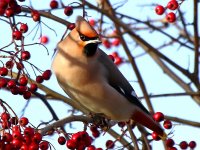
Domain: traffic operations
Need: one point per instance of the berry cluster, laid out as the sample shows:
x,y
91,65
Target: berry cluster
x,y
183,144
17,134
82,140
79,141
19,85
167,124
68,10
9,8
107,43
172,5
116,58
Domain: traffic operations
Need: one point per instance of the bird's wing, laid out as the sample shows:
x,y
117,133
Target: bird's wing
x,y
119,82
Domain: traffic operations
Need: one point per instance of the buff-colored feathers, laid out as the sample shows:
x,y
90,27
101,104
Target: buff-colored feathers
x,y
89,76
84,27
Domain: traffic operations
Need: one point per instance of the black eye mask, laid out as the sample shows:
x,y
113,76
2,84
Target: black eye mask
x,y
85,38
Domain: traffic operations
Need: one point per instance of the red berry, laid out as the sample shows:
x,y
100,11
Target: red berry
x,y
11,84
35,15
2,11
93,128
111,57
158,117
99,149
155,136
17,143
159,9
27,139
172,148
33,146
8,146
68,10
25,55
3,4
20,66
95,134
29,131
23,28
192,144
39,79
9,12
14,120
167,124
92,22
9,64
106,43
5,116
33,87
169,142
172,5
3,71
118,60
17,9
44,145
91,147
71,144
16,129
46,75
6,124
44,39
22,89
23,80
71,26
3,82
53,4
24,147
115,54
183,145
110,144
116,42
121,124
61,140
17,35
14,90
17,135
7,137
171,17
37,137
27,95
23,121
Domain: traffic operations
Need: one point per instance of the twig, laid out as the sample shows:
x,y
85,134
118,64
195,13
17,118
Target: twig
x,y
133,137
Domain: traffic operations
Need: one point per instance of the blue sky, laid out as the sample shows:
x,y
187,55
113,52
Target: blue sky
x,y
155,80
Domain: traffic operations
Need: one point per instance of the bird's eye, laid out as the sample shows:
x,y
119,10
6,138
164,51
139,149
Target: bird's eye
x,y
83,37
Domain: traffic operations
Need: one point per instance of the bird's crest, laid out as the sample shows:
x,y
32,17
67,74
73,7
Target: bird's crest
x,y
83,27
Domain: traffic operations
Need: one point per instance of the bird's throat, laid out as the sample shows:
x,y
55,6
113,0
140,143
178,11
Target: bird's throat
x,y
90,49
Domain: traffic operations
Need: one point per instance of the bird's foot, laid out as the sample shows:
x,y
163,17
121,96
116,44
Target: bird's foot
x,y
101,120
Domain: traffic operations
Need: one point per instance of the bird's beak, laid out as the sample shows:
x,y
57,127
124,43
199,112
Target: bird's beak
x,y
96,41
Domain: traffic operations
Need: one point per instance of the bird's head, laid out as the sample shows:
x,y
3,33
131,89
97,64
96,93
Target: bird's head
x,y
86,37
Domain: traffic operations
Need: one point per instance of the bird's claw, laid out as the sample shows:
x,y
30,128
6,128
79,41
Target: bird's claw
x,y
102,121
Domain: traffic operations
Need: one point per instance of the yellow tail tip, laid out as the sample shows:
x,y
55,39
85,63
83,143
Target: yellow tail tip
x,y
163,137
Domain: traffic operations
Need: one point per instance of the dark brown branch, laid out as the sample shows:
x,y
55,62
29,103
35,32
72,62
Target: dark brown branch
x,y
196,43
48,15
183,121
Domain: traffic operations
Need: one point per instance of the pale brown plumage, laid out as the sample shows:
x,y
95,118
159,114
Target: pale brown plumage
x,y
88,75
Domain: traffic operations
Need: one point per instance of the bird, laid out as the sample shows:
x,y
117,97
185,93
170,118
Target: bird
x,y
88,75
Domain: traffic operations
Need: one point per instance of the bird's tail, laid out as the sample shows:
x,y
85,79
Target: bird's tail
x,y
147,121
